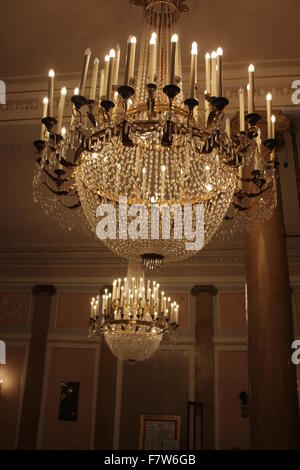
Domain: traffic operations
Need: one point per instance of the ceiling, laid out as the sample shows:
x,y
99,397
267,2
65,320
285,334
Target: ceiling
x,y
37,34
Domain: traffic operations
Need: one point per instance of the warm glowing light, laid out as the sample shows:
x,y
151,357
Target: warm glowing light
x,y
273,119
76,91
207,56
63,91
174,38
132,39
213,55
269,97
63,131
51,73
112,53
251,68
45,100
248,86
194,48
219,51
163,168
106,58
209,187
153,39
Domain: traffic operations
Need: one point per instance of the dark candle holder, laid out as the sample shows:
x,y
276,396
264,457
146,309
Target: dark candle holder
x,y
191,103
126,91
171,91
252,119
79,101
271,144
107,105
49,123
219,102
39,145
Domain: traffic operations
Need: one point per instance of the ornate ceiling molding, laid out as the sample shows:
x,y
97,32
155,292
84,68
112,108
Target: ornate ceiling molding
x,y
91,257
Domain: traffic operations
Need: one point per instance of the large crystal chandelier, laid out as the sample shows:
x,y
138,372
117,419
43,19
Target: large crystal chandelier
x,y
134,317
139,136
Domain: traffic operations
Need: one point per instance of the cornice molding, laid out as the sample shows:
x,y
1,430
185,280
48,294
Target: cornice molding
x,y
93,259
93,253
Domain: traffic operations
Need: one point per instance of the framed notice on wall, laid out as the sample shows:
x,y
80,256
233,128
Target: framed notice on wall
x,y
159,432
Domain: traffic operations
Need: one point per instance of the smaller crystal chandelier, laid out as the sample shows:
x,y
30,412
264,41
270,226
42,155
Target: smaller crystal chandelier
x,y
134,318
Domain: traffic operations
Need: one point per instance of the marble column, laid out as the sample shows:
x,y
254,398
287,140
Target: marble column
x,y
35,368
274,415
204,376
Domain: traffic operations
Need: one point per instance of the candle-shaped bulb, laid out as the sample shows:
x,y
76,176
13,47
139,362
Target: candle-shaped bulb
x,y
45,100
251,68
76,91
273,120
269,114
132,39
106,58
207,56
51,76
153,39
61,106
194,48
112,53
219,72
163,168
213,55
63,131
174,38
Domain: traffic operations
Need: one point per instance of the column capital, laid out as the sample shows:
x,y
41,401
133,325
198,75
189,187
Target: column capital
x,y
48,288
199,289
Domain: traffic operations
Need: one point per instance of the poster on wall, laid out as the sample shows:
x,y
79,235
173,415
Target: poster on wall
x,y
159,432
